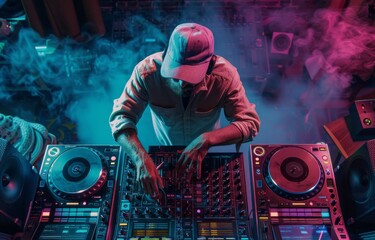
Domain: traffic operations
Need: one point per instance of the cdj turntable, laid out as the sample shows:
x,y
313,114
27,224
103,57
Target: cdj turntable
x,y
76,193
294,193
214,207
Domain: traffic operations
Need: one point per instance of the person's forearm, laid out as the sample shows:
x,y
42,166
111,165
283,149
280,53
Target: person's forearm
x,y
223,136
195,152
129,140
147,173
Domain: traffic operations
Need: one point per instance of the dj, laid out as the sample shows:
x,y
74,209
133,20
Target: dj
x,y
186,86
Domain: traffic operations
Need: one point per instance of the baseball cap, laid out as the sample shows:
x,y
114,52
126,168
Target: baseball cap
x,y
189,52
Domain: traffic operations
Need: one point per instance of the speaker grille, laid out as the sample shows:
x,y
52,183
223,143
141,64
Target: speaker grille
x,y
371,152
17,188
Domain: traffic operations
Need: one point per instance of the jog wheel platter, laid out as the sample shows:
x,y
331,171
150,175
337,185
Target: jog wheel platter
x,y
76,193
77,173
294,193
295,176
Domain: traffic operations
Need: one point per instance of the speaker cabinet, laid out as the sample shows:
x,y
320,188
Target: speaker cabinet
x,y
17,188
356,184
281,43
362,119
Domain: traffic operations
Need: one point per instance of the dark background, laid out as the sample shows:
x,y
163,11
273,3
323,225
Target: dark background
x,y
302,62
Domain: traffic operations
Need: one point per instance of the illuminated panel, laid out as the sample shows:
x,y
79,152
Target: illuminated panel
x,y
76,215
295,232
150,229
66,231
212,229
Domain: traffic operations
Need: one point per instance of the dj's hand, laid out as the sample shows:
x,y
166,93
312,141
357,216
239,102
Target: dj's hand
x,y
192,157
149,178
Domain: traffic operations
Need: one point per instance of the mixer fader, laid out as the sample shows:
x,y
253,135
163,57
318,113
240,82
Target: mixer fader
x,y
213,207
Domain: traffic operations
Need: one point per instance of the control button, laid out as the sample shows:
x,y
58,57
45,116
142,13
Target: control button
x,y
338,220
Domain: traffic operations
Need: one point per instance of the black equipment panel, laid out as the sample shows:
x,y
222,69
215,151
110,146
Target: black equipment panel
x,y
294,193
214,207
76,195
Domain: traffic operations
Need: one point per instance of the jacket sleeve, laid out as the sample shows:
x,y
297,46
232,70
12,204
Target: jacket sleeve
x,y
129,107
240,111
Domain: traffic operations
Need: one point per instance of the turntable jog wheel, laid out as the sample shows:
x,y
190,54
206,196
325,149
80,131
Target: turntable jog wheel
x,y
295,176
294,193
77,173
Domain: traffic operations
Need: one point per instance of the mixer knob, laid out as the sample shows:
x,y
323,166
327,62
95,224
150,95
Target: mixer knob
x,y
147,211
127,196
236,165
206,180
239,186
39,193
227,211
227,195
106,209
239,195
169,210
216,194
208,212
217,212
129,181
131,165
187,213
204,195
237,174
136,210
338,220
159,212
36,203
125,215
229,202
216,174
227,180
130,174
242,213
243,231
104,218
